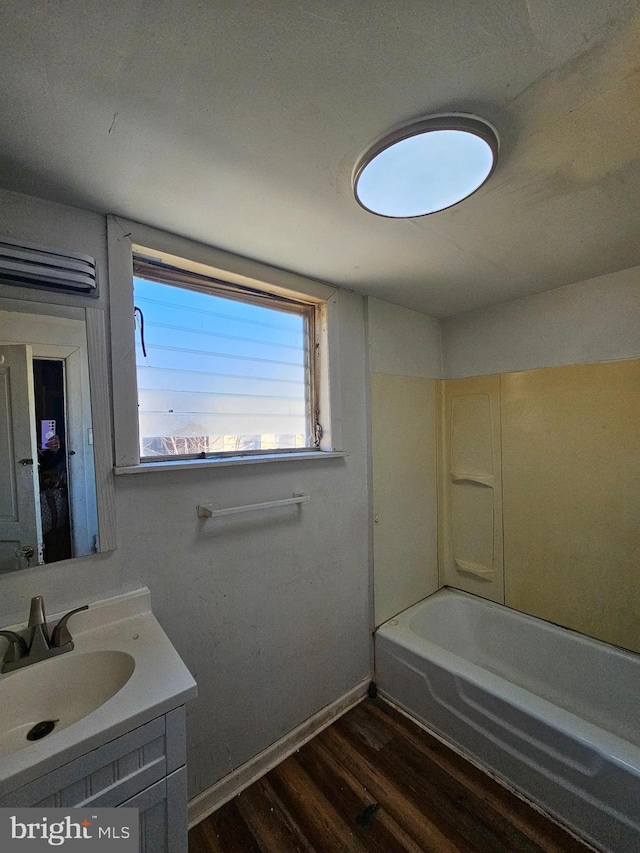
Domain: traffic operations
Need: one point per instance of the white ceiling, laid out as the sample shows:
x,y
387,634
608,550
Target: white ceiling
x,y
238,123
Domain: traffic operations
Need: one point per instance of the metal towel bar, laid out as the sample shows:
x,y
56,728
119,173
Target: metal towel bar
x,y
209,511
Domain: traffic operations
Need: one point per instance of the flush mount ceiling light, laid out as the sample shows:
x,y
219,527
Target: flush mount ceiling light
x,y
426,166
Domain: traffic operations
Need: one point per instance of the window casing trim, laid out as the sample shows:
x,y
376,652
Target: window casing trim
x,y
298,455
124,237
182,277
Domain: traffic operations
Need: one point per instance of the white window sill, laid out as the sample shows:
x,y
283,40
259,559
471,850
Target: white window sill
x,y
227,461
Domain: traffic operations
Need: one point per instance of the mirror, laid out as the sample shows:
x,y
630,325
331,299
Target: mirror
x,y
49,507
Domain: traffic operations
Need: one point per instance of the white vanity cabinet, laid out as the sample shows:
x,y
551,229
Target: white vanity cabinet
x,y
144,769
118,697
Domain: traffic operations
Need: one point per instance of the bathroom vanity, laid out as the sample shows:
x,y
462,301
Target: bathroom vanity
x,y
118,700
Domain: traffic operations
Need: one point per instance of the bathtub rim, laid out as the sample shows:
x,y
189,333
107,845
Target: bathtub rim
x,y
454,592
610,746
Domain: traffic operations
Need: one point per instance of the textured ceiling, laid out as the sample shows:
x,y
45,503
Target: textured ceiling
x,y
238,124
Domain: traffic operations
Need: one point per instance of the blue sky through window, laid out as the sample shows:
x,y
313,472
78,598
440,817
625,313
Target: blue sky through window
x,y
219,374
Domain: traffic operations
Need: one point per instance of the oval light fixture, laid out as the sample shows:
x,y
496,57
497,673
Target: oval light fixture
x,y
426,166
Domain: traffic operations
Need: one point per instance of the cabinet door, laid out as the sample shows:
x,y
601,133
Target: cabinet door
x,y
112,773
163,815
104,777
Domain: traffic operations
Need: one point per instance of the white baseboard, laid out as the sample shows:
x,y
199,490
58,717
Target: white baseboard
x,y
217,795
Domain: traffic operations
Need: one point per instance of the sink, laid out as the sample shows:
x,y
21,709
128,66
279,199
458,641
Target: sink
x,y
63,689
122,674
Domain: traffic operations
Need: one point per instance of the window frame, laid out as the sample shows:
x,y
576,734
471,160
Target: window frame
x,y
126,238
172,276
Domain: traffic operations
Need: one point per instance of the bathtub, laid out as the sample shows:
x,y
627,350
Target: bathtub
x,y
555,714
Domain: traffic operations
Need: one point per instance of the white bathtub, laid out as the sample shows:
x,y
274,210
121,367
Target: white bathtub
x,y
553,713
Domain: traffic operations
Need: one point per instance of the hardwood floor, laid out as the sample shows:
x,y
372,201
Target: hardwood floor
x,y
373,781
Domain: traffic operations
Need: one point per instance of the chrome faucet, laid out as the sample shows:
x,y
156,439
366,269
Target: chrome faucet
x,y
40,646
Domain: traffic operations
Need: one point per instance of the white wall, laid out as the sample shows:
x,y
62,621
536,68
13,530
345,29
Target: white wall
x,y
403,342
404,364
595,320
271,616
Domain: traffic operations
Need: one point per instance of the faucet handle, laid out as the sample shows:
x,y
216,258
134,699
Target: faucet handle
x,y
16,649
61,636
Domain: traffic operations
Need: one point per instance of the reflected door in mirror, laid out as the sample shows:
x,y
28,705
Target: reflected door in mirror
x,y
20,525
48,507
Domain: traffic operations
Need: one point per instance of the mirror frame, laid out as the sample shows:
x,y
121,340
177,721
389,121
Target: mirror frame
x,y
97,353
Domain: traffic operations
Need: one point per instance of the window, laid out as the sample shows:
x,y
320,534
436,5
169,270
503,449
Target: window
x,y
222,369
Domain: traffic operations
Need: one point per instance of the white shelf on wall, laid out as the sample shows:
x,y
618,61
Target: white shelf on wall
x,y
479,479
473,569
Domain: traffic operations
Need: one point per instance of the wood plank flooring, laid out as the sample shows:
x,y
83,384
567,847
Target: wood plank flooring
x,y
373,781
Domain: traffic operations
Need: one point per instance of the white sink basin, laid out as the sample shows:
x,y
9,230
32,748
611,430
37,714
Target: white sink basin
x,y
63,689
122,673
